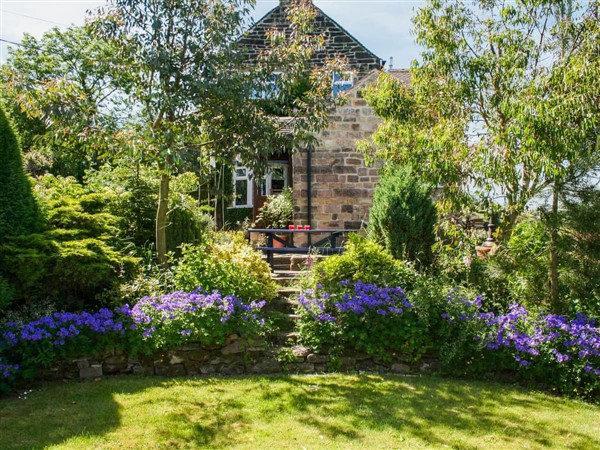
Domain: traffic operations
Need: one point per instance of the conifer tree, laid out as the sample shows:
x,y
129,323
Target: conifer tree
x,y
19,213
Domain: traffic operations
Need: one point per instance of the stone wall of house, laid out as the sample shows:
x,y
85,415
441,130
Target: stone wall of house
x,y
342,184
337,41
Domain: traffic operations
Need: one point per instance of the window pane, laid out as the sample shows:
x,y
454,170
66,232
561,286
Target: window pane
x,y
241,192
263,186
278,179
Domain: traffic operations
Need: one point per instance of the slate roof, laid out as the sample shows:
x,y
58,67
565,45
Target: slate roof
x,y
402,75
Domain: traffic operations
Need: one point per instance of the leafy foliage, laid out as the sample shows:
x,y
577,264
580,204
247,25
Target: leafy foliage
x,y
132,193
56,338
363,317
504,101
197,91
164,322
277,212
153,324
78,245
580,252
403,216
7,293
549,350
225,263
63,100
363,260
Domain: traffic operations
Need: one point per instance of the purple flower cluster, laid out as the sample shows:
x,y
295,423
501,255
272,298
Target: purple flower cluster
x,y
58,328
360,299
531,337
6,370
151,312
183,313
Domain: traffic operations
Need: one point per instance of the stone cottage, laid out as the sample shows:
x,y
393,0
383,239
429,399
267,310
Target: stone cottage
x,y
333,188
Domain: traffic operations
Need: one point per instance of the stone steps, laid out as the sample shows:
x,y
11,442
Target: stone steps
x,y
285,278
285,305
286,338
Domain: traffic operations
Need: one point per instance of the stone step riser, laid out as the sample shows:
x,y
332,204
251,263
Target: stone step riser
x,y
282,307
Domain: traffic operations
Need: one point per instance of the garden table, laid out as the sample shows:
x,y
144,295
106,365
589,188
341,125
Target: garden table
x,y
331,243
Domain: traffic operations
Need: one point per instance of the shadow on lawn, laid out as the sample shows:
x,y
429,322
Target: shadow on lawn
x,y
422,407
225,412
36,419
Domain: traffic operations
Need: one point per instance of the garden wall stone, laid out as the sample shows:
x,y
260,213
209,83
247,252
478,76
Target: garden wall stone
x,y
236,357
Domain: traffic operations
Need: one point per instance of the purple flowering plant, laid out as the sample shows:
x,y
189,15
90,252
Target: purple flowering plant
x,y
59,336
364,317
180,317
560,352
154,323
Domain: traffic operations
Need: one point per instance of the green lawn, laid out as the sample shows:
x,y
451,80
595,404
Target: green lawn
x,y
333,411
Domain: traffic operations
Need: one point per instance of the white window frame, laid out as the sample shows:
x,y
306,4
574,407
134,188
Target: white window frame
x,y
247,177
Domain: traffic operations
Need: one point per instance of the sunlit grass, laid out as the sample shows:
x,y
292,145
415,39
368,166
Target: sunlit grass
x,y
334,411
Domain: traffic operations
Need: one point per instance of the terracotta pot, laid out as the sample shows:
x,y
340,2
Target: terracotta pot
x,y
277,244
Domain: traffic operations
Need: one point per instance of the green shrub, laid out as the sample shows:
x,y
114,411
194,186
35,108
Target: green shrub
x,y
71,273
378,321
76,262
235,218
519,272
579,265
19,212
7,293
164,322
132,195
188,224
277,212
403,216
224,262
363,260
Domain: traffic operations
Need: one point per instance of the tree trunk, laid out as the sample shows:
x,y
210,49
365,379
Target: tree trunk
x,y
554,299
161,220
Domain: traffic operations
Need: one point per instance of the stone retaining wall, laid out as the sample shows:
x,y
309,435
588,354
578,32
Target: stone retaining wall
x,y
236,357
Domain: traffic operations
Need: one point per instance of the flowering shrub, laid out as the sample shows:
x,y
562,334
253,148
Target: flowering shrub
x,y
365,317
180,317
57,337
152,324
7,370
364,261
561,353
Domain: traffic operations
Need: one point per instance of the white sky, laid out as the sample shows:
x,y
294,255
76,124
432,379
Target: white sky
x,y
383,26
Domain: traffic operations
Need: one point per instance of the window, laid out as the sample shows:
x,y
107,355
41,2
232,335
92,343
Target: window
x,y
242,186
269,88
342,82
275,181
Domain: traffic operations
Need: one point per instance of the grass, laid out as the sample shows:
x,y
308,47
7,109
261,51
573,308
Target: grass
x,y
333,411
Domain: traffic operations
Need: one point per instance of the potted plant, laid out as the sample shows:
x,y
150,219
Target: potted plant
x,y
276,213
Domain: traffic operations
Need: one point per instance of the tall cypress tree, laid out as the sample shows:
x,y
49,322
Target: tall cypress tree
x,y
19,213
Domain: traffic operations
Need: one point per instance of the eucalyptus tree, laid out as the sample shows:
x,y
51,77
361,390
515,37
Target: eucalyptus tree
x,y
504,101
181,62
504,104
